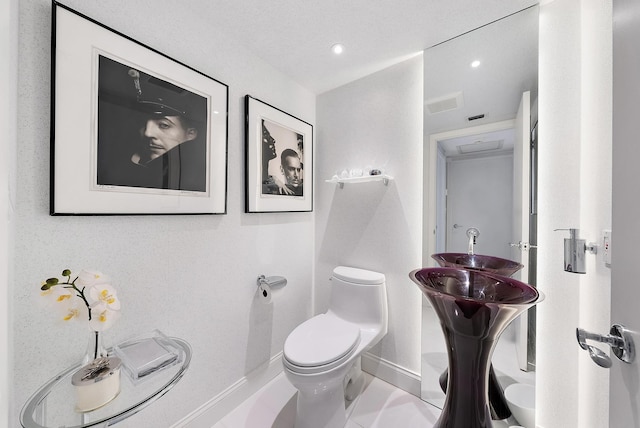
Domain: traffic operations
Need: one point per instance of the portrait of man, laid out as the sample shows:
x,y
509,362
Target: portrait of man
x,y
282,160
152,134
291,168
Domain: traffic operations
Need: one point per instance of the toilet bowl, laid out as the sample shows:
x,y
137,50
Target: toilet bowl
x,y
320,353
521,399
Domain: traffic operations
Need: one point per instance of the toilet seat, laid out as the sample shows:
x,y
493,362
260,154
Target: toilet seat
x,y
319,344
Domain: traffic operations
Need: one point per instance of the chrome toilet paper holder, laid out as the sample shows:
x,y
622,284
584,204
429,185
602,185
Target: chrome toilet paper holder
x,y
272,281
266,283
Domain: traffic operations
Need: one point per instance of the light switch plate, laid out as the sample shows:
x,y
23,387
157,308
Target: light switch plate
x,y
606,246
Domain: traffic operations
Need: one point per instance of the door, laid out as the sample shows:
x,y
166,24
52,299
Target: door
x,y
521,199
479,196
624,396
521,173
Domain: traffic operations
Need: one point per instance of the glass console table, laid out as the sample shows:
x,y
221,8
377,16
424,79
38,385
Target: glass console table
x,y
53,405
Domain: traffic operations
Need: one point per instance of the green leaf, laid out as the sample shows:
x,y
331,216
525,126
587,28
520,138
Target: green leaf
x,y
45,287
52,281
66,272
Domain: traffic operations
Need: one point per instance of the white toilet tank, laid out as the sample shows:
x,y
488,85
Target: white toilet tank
x,y
359,296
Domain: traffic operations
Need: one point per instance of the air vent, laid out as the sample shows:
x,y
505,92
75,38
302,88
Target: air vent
x,y
480,146
444,103
476,117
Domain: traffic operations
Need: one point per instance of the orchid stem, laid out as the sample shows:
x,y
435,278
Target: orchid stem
x,y
80,293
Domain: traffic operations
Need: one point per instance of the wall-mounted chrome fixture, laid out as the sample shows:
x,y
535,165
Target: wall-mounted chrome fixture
x,y
472,234
272,281
267,283
574,252
620,340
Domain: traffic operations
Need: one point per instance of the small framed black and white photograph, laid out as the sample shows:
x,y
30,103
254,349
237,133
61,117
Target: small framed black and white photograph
x,y
134,131
279,160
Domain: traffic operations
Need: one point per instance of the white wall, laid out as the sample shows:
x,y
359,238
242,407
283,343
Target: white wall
x,y
596,199
189,276
374,121
8,118
480,195
574,191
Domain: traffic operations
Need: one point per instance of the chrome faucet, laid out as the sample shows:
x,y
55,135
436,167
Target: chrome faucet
x,y
472,233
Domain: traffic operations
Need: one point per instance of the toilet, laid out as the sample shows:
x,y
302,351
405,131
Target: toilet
x,y
320,353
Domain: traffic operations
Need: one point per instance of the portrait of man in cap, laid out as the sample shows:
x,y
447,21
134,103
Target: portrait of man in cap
x,y
152,134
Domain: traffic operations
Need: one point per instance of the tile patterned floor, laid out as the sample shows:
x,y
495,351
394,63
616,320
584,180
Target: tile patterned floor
x,y
380,405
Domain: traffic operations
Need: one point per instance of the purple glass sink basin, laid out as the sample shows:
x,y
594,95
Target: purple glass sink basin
x,y
478,261
474,307
473,285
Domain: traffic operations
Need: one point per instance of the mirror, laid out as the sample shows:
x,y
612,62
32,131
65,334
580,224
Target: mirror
x,y
471,134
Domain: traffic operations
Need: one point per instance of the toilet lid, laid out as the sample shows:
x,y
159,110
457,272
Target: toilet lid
x,y
320,340
358,276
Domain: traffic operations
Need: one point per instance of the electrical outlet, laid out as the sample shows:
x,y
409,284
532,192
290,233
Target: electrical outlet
x,y
606,246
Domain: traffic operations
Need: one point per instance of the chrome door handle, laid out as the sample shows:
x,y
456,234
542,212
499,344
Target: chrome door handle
x,y
620,340
457,226
524,246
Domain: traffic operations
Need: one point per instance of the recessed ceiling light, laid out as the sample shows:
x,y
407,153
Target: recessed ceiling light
x,y
475,64
337,48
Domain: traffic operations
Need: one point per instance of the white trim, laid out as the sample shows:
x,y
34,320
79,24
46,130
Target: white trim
x,y
219,406
391,373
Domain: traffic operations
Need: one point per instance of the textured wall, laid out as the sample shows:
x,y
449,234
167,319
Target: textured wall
x,y
479,194
189,276
8,119
575,136
374,121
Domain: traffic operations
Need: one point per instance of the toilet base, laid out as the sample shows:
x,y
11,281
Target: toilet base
x,y
353,381
321,409
320,402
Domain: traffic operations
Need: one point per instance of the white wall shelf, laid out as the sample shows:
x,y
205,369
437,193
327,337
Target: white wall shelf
x,y
364,179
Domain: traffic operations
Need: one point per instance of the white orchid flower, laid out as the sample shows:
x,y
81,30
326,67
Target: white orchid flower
x,y
102,295
66,303
88,278
104,304
89,296
102,318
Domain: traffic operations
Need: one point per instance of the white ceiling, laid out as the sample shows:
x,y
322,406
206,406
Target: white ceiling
x,y
479,144
508,51
296,36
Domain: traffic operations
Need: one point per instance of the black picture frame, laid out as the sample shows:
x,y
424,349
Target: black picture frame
x,y
133,130
279,160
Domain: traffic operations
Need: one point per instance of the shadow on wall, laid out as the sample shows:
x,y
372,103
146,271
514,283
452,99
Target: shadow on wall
x,y
260,334
353,210
368,226
364,226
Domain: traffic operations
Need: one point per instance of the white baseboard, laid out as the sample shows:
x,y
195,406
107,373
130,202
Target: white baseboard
x,y
208,414
219,406
392,373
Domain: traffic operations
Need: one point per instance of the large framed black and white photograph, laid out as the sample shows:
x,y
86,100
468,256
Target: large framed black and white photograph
x,y
134,131
279,160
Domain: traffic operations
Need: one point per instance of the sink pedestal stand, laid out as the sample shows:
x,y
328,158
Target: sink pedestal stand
x,y
474,308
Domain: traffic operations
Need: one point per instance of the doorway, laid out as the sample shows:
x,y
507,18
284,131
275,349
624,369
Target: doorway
x,y
472,180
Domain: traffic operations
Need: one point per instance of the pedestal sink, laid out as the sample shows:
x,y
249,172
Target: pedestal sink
x,y
474,308
479,262
497,265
